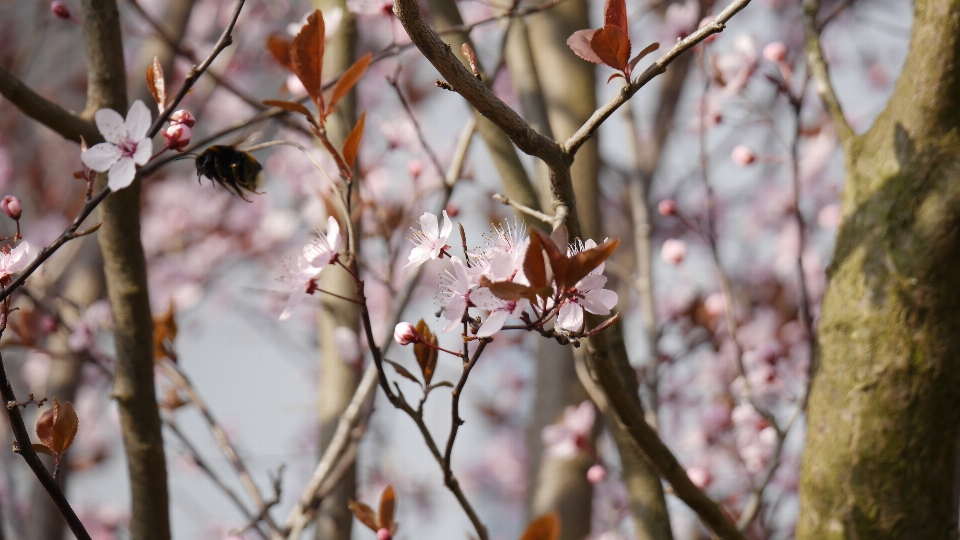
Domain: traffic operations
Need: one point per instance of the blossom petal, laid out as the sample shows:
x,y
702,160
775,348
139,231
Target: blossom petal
x,y
599,302
295,298
570,317
591,282
121,174
333,234
111,126
428,225
138,121
101,157
418,256
493,324
144,151
447,228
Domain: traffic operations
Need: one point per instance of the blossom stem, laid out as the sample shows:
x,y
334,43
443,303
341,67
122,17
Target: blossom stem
x,y
335,295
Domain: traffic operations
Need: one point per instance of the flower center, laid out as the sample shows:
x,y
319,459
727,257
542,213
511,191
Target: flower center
x,y
128,148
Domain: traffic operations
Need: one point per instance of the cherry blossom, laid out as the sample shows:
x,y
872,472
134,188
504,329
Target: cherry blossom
x,y
13,261
323,249
673,251
572,435
456,290
500,310
301,281
126,148
405,333
430,240
588,294
11,206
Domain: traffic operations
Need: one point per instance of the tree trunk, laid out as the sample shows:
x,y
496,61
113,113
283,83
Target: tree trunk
x,y
881,456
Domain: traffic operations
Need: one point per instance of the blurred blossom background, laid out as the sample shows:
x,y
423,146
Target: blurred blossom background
x,y
216,260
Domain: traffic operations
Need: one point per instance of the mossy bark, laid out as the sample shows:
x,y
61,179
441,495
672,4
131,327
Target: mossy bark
x,y
884,408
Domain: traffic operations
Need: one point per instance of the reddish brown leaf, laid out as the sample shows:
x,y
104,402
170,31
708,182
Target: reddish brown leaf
x,y
388,502
164,334
64,428
365,514
615,14
579,42
306,56
612,46
647,50
545,527
587,260
604,325
615,76
279,47
348,80
291,106
533,266
508,290
45,425
352,145
425,354
155,83
42,449
402,371
557,257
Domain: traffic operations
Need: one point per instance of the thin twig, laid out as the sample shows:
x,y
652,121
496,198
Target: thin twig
x,y
820,73
456,421
503,199
416,125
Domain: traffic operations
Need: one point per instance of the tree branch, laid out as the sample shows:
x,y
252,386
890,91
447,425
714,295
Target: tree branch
x,y
820,73
48,113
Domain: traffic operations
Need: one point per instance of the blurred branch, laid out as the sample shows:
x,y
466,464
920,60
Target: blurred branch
x,y
24,447
820,73
60,120
179,378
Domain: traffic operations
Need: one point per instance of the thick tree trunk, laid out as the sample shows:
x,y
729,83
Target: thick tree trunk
x,y
338,375
881,454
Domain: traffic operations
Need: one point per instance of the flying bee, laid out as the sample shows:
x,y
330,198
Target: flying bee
x,y
233,169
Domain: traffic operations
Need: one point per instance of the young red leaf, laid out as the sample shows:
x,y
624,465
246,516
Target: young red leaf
x,y
533,266
42,449
615,14
579,42
557,257
64,427
155,83
352,145
45,425
545,527
388,501
425,354
587,260
291,106
402,371
348,80
647,50
365,514
280,49
306,56
508,290
612,46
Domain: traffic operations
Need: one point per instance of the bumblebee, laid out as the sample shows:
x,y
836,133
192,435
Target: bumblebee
x,y
233,169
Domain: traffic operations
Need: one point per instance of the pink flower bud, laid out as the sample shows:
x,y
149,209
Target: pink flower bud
x,y
453,210
415,168
177,137
742,155
596,474
714,305
11,206
775,52
59,9
183,116
667,207
383,534
673,251
405,334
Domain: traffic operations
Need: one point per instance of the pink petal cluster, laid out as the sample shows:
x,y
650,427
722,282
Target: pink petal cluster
x,y
588,295
430,240
126,146
13,261
318,253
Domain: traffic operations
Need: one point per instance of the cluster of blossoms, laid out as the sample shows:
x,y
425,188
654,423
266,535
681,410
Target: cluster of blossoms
x,y
515,276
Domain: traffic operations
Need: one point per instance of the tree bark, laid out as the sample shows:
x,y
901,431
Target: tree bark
x,y
338,375
125,269
881,455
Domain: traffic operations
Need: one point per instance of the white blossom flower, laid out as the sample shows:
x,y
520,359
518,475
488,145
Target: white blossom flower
x,y
126,146
588,294
323,249
456,289
572,435
300,281
500,310
13,261
430,240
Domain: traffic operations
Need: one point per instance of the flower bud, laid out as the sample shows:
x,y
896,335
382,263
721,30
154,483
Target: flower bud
x,y
183,116
415,168
742,155
59,9
405,334
775,52
177,137
667,207
383,534
673,251
596,474
11,206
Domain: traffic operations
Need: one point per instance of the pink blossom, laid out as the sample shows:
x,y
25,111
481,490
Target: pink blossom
x,y
742,155
667,207
456,290
500,310
323,249
405,333
573,434
775,52
673,251
11,206
13,261
184,117
714,305
596,474
415,168
383,534
126,148
588,294
177,137
430,240
300,281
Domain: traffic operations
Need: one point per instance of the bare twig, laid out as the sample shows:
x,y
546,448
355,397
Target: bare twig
x,y
820,73
549,220
416,125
